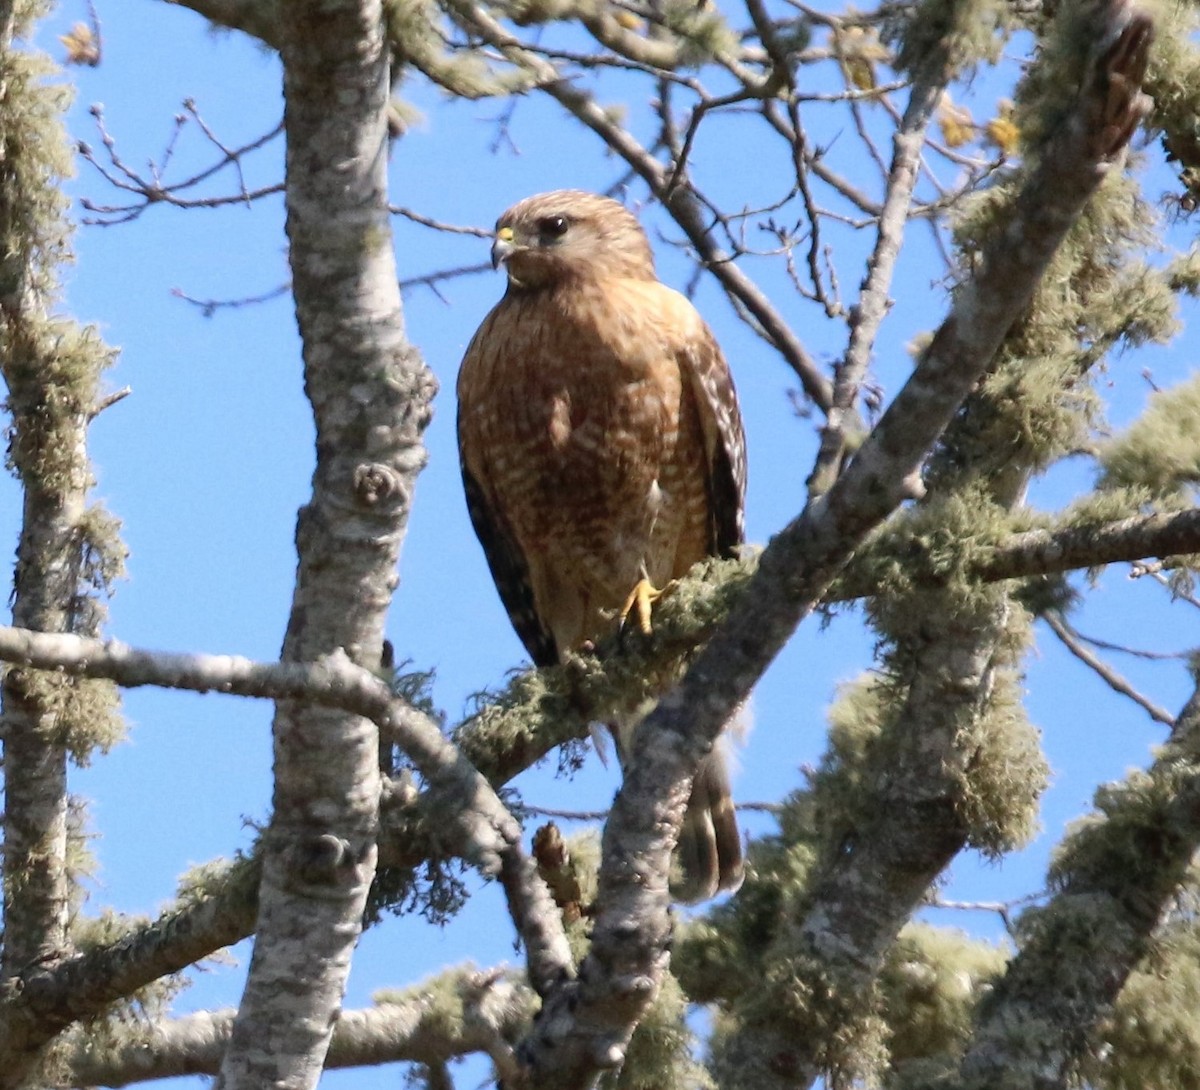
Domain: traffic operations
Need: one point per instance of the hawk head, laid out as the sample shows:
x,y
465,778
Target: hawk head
x,y
568,235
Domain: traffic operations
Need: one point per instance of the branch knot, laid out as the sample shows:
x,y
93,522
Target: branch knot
x,y
375,483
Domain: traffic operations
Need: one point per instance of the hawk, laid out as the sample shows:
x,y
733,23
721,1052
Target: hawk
x,y
602,455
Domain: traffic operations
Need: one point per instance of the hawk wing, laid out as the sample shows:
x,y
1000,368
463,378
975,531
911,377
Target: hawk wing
x,y
710,386
510,571
724,441
508,563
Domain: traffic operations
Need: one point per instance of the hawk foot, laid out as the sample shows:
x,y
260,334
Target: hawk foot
x,y
641,598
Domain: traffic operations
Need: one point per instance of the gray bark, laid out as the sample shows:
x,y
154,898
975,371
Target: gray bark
x,y
370,394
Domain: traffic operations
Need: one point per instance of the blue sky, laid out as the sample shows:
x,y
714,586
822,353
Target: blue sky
x,y
209,458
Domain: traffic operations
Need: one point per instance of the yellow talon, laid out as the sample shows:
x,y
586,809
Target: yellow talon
x,y
641,598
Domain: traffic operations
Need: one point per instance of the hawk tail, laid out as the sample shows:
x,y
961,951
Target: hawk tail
x,y
709,853
708,856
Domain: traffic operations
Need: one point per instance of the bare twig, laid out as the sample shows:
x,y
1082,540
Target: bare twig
x,y
152,191
209,307
1135,652
1155,572
438,225
109,400
432,280
842,422
1063,630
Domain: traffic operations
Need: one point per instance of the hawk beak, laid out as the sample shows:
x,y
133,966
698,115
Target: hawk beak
x,y
503,247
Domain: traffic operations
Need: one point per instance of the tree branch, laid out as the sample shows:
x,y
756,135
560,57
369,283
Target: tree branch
x,y
586,1028
1116,876
538,711
370,394
461,1011
52,996
843,422
1058,625
488,835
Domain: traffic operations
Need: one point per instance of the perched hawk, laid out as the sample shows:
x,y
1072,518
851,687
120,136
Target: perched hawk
x,y
602,454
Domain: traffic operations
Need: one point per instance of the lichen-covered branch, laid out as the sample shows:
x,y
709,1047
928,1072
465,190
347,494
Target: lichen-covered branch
x,y
53,996
461,1011
65,552
587,1028
469,818
1115,878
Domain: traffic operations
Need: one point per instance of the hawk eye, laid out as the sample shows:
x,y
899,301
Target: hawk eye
x,y
553,226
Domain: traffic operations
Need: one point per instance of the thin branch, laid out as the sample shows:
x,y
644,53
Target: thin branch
x,y
1135,652
109,400
438,225
566,815
601,815
154,191
1059,626
1003,909
209,307
799,149
843,424
432,280
1154,571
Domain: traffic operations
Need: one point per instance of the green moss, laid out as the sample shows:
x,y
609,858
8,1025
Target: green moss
x,y
932,546
1138,826
80,714
661,1052
932,982
446,1004
1183,272
700,32
1160,451
103,551
1005,774
1036,405
1079,932
947,36
797,999
1153,1035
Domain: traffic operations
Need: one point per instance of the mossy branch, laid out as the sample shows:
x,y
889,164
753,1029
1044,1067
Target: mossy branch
x,y
460,1011
1115,876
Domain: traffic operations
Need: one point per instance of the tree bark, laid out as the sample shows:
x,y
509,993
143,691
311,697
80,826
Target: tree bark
x,y
371,396
52,369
